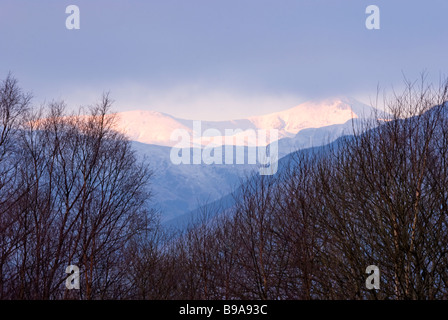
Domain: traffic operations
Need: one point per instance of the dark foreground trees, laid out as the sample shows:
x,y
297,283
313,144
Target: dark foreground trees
x,y
72,193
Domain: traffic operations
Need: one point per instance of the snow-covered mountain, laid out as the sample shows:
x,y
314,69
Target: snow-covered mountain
x,y
184,189
312,114
152,127
179,189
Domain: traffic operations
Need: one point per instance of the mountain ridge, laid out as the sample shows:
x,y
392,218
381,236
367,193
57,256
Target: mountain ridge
x,y
153,127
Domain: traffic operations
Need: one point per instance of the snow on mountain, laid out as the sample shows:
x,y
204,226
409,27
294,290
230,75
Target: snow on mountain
x,y
311,114
152,127
149,126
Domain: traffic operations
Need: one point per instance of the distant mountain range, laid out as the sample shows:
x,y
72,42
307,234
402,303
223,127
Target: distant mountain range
x,y
179,189
152,127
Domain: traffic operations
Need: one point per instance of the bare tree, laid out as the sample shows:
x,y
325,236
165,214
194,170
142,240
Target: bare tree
x,y
384,205
81,197
14,103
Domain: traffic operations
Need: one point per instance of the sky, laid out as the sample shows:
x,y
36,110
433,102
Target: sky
x,y
219,59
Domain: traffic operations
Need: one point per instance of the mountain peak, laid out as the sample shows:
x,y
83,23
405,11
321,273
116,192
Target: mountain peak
x,y
313,114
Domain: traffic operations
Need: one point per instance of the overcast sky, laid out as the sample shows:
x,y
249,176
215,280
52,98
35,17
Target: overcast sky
x,y
219,59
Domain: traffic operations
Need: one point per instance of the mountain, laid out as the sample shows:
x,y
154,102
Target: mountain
x,y
312,114
152,127
325,138
180,189
304,141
